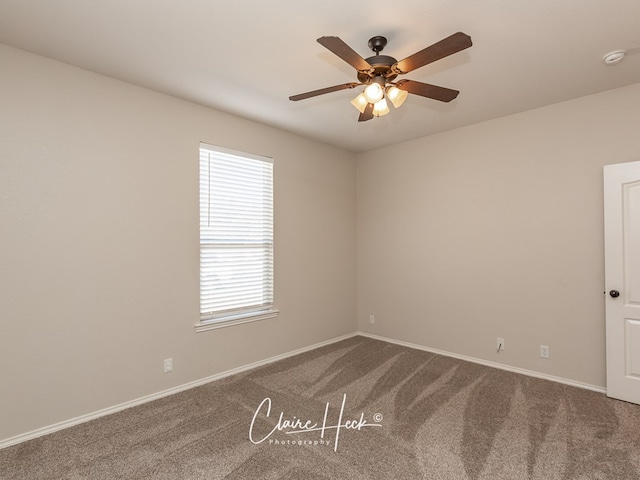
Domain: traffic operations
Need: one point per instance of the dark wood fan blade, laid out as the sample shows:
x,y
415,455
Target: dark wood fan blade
x,y
322,91
367,114
426,90
345,52
448,46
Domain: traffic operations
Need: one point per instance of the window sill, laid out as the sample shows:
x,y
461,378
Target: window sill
x,y
222,322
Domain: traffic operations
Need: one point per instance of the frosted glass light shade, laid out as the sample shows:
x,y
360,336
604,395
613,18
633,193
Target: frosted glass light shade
x,y
360,102
380,108
396,96
374,92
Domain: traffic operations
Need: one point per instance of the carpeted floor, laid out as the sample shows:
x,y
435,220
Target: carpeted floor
x,y
402,414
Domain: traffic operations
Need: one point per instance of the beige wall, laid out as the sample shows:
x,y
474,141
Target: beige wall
x,y
490,230
496,230
99,237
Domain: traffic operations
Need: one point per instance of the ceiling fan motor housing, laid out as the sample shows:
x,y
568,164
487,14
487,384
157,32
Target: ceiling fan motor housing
x,y
381,63
381,67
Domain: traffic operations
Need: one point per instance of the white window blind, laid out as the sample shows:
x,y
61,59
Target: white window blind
x,y
236,234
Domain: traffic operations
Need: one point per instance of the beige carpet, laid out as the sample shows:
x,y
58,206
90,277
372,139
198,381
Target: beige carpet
x,y
403,414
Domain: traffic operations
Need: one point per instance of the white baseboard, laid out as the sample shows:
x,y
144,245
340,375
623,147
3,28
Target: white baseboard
x,y
501,366
154,396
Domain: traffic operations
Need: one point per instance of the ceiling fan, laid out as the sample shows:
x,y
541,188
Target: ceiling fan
x,y
379,72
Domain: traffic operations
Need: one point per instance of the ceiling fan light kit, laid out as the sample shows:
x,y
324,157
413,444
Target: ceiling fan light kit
x,y
380,108
396,95
375,90
379,72
360,102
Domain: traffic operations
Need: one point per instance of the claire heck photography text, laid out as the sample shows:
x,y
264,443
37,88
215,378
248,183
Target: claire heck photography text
x,y
320,431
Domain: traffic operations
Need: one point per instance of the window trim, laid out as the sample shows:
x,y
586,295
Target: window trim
x,y
242,316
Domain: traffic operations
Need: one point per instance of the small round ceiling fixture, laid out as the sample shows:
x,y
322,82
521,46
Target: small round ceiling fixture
x,y
614,58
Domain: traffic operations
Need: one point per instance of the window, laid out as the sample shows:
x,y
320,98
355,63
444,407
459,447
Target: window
x,y
236,238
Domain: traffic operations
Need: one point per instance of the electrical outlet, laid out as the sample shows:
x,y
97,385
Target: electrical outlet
x,y
544,351
372,319
168,365
500,344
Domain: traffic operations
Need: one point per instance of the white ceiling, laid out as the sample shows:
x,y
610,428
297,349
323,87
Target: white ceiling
x,y
247,57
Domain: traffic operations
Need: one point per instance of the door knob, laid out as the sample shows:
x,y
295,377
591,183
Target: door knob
x,y
614,293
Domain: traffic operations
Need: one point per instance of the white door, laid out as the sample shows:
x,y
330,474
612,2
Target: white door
x,y
622,279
